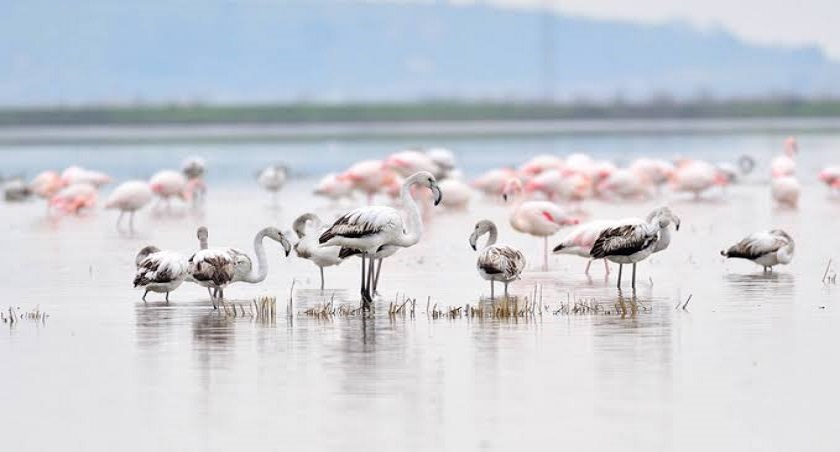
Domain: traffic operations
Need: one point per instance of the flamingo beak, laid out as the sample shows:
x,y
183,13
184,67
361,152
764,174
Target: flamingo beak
x,y
437,193
677,223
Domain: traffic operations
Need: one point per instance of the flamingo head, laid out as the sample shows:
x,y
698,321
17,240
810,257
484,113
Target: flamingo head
x,y
511,188
791,146
664,217
481,228
275,234
427,180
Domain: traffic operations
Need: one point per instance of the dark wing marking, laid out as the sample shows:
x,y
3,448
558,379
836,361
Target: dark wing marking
x,y
502,260
622,241
755,246
350,225
217,268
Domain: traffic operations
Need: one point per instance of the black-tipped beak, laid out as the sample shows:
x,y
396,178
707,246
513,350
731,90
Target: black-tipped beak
x,y
437,193
504,197
472,245
287,252
557,248
677,226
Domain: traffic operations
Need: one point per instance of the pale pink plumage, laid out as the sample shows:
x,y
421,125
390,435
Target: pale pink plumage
x,y
492,182
74,198
786,190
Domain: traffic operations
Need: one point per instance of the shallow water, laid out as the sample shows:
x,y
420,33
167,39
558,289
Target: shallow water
x,y
749,365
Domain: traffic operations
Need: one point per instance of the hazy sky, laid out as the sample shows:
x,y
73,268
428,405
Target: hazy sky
x,y
791,22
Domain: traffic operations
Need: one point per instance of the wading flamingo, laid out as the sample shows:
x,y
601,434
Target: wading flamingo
x,y
308,228
581,238
129,197
496,262
766,248
159,271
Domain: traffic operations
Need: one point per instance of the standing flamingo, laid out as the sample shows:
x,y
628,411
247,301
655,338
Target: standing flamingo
x,y
458,194
634,240
194,168
216,268
785,190
368,228
159,271
496,262
537,218
581,238
74,198
766,248
785,165
406,163
369,176
696,176
79,175
540,163
129,197
308,228
830,175
493,182
46,184
334,188
167,184
272,179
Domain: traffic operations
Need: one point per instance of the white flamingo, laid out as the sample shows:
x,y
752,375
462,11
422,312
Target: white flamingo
x,y
272,179
785,165
458,194
496,262
634,240
167,184
308,228
216,268
766,248
129,197
786,190
368,228
159,271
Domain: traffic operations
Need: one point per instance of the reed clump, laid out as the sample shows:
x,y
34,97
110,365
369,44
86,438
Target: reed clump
x,y
14,315
262,309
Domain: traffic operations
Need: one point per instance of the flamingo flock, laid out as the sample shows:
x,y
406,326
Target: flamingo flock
x,y
543,197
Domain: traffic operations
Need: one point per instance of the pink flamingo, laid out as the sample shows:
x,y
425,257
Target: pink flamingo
x,y
493,182
785,191
581,238
830,175
623,184
129,197
369,176
46,184
74,198
167,184
537,218
332,187
785,165
458,194
655,171
406,163
539,164
79,175
696,176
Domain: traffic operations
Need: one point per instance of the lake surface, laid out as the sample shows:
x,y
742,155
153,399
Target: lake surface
x,y
750,364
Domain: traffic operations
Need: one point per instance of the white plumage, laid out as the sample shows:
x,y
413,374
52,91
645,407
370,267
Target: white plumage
x,y
308,228
159,271
765,248
496,262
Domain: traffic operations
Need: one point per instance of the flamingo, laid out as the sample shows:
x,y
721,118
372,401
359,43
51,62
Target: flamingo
x,y
632,241
79,175
445,161
785,190
367,229
785,165
334,188
539,164
830,175
623,184
496,262
406,163
493,182
272,179
194,168
46,184
537,218
202,234
580,239
308,227
167,184
74,198
369,177
129,197
655,171
159,271
458,194
216,268
16,190
765,248
696,176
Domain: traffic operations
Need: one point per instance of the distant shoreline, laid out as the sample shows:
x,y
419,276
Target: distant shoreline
x,y
415,112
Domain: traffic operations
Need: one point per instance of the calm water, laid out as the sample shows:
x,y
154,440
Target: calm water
x,y
751,364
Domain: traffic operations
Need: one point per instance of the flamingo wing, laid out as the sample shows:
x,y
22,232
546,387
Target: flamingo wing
x,y
622,241
213,265
363,222
502,259
758,244
160,267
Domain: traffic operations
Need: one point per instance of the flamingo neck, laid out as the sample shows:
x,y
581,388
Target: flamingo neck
x,y
258,275
202,243
785,254
411,234
493,235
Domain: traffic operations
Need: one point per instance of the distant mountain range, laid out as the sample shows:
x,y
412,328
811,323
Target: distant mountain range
x,y
251,51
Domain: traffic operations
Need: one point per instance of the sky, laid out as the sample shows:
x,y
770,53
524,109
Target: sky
x,y
778,22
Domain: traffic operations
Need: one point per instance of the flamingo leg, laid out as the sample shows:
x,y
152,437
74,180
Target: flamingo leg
x,y
167,297
363,275
376,278
545,253
119,219
634,276
606,266
371,271
620,268
144,295
506,287
492,289
588,263
322,278
131,221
